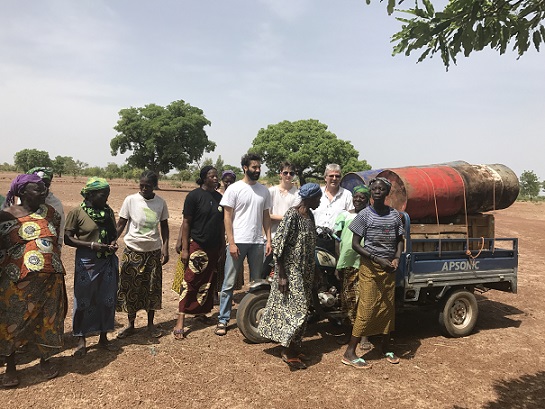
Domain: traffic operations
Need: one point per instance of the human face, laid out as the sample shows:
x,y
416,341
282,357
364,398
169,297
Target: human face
x,y
34,194
99,198
211,180
333,179
287,175
314,202
227,180
379,191
254,170
360,201
146,189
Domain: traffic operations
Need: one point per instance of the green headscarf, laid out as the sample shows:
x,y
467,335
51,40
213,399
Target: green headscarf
x,y
94,183
42,172
362,189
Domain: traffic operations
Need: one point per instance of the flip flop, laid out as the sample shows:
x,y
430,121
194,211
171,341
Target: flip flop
x,y
178,334
392,358
10,382
80,352
358,363
366,346
126,332
294,362
51,372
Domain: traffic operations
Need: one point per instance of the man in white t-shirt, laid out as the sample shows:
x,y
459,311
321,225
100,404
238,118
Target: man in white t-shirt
x,y
335,199
283,196
246,215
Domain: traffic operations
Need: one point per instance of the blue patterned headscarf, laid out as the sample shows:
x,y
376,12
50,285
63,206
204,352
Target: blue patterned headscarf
x,y
310,190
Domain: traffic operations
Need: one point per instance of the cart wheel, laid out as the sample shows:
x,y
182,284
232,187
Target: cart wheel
x,y
459,314
249,312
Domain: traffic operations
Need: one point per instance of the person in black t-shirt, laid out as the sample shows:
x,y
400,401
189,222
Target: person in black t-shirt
x,y
199,244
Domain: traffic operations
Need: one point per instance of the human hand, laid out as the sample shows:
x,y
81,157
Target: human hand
x,y
184,256
283,285
234,251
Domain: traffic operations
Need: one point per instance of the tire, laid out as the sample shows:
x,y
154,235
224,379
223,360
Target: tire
x,y
248,313
459,313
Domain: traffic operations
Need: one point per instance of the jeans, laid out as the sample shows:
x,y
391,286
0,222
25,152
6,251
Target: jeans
x,y
255,253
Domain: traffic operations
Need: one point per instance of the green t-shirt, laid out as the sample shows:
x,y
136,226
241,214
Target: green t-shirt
x,y
347,256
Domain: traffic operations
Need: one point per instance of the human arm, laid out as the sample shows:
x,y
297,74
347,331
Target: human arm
x,y
165,235
399,250
228,223
283,284
267,229
120,227
182,245
71,240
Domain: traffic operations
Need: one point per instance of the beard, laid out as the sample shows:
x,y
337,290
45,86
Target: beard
x,y
253,175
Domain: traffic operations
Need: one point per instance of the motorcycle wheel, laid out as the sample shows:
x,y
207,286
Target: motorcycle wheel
x,y
249,312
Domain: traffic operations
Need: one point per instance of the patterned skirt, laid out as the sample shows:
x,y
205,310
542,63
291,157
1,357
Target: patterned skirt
x,y
95,293
198,284
376,306
140,281
33,311
350,293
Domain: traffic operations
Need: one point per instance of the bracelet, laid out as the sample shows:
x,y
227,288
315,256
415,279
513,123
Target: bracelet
x,y
92,245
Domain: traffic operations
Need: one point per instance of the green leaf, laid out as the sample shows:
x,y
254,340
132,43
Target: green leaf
x,y
391,5
429,7
536,38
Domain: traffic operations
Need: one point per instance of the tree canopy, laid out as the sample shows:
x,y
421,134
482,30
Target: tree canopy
x,y
529,184
464,26
31,158
308,145
162,138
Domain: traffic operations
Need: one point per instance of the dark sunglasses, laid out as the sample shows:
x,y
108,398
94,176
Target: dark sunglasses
x,y
285,173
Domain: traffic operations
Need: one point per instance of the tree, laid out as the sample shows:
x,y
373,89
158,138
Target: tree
x,y
305,143
162,138
529,184
31,158
469,25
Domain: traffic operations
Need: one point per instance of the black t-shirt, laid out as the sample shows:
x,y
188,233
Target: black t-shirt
x,y
207,217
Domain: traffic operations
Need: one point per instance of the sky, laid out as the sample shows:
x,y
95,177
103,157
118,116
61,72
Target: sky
x,y
68,67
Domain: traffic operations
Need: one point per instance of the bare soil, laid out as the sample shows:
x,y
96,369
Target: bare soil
x,y
500,365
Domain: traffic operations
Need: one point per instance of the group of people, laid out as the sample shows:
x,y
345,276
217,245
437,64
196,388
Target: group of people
x,y
218,232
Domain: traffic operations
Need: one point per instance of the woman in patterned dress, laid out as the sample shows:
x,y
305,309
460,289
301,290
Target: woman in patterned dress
x,y
146,251
91,229
382,228
200,241
285,316
32,290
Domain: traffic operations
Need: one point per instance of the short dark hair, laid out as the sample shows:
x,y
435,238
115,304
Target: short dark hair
x,y
151,176
248,157
284,165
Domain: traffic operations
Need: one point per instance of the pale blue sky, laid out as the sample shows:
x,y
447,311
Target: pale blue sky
x,y
68,67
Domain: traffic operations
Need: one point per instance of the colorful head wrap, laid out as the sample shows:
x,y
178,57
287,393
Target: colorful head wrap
x,y
43,172
17,186
94,183
310,190
228,173
362,189
383,180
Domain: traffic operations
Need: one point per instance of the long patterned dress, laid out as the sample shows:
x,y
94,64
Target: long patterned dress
x,y
285,316
33,300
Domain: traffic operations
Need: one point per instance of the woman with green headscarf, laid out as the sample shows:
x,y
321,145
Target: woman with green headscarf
x,y
91,229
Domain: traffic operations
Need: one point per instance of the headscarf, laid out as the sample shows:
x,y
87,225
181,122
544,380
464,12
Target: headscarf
x,y
383,180
228,173
362,189
203,173
17,186
43,172
310,190
94,183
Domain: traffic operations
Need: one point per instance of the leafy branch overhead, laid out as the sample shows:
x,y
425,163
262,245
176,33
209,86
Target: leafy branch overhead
x,y
464,26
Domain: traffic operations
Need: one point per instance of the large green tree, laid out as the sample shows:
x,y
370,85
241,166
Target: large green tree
x,y
464,26
529,184
30,158
305,143
162,138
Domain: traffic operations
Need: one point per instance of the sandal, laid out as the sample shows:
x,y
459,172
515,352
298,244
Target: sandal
x,y
178,334
366,346
48,370
358,363
294,362
221,329
392,358
10,381
80,352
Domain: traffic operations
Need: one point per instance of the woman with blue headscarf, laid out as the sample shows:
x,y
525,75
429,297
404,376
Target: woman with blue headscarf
x,y
32,291
285,317
91,229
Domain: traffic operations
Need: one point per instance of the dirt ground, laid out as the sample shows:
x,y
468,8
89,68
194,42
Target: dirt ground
x,y
500,365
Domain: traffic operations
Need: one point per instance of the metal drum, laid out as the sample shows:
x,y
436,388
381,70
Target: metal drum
x,y
353,179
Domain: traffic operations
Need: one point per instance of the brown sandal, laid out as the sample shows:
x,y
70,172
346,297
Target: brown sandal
x,y
221,329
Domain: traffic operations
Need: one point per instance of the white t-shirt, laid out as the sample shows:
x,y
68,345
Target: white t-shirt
x,y
248,203
143,219
280,203
326,214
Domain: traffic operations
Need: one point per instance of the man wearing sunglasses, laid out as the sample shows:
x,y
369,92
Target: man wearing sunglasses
x,y
283,196
335,199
